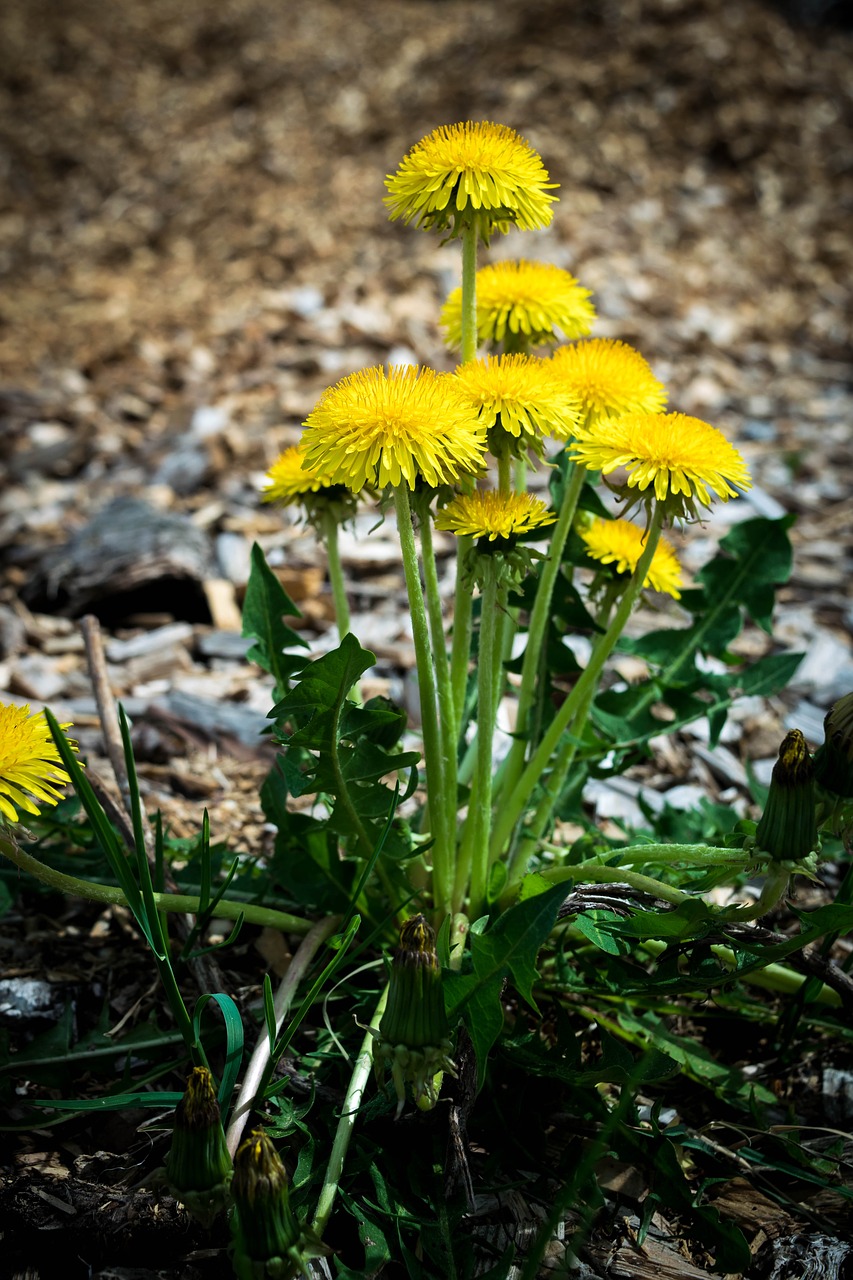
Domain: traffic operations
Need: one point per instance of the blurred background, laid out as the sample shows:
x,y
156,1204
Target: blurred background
x,y
193,243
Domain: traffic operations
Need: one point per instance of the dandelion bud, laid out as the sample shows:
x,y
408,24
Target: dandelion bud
x,y
833,762
788,827
267,1235
414,1036
198,1167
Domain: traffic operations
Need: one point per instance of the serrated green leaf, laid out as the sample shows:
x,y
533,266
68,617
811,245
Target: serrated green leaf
x,y
265,607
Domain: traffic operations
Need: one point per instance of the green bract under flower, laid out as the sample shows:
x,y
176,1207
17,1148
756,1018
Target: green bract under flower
x,y
788,826
414,1037
470,174
375,428
198,1167
268,1240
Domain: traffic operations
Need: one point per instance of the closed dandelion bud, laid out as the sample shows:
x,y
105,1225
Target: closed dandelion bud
x,y
414,1035
267,1235
833,762
198,1168
788,827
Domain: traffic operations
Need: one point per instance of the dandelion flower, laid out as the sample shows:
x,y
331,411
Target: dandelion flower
x,y
471,174
522,300
376,428
621,543
610,378
491,514
681,459
30,765
289,480
520,395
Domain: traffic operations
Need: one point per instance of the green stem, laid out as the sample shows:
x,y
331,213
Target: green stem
x,y
437,751
469,294
113,896
346,1124
556,781
481,810
518,797
538,625
504,461
336,575
461,648
446,705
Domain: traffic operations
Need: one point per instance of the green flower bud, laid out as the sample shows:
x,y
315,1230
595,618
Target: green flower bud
x,y
198,1168
788,827
414,1034
267,1236
833,762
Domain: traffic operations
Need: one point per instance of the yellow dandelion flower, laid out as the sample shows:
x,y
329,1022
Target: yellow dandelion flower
x,y
30,765
621,543
681,459
468,173
375,428
491,514
289,480
530,300
521,395
610,378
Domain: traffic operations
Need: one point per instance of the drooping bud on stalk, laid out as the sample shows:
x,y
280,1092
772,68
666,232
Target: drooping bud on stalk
x,y
267,1236
414,1035
198,1168
833,762
788,827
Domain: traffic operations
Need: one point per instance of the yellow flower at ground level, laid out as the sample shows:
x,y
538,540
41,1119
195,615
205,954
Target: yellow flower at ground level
x,y
681,458
375,428
288,479
30,765
471,173
621,543
531,299
610,378
491,514
521,391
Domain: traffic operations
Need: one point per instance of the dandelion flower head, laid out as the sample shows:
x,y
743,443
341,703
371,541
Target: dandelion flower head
x,y
376,428
521,395
621,543
610,378
488,513
289,480
675,458
30,765
527,301
471,173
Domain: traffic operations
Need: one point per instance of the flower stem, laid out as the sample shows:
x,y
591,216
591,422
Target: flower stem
x,y
461,648
346,1124
446,705
517,798
481,811
437,749
336,576
112,895
538,625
